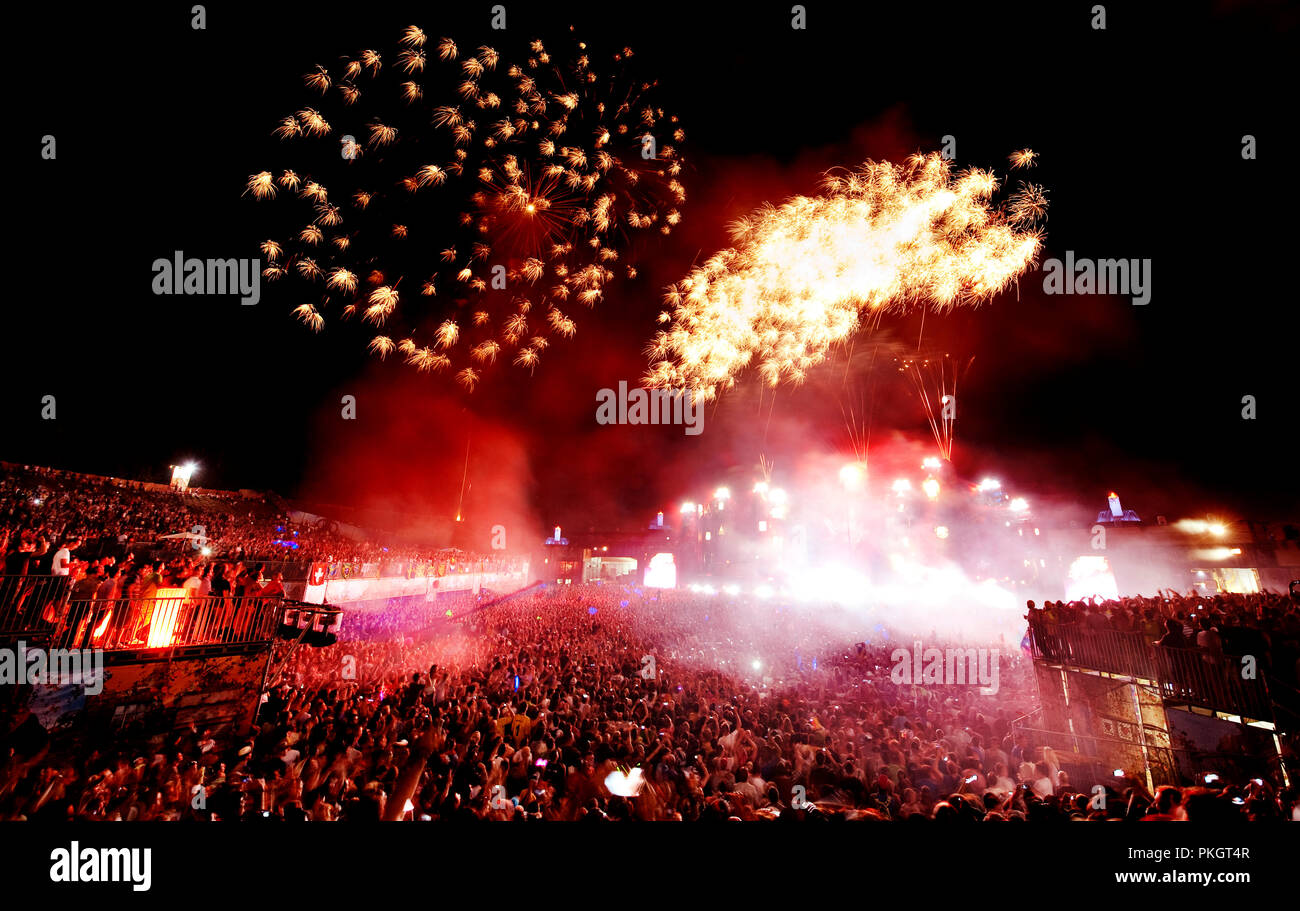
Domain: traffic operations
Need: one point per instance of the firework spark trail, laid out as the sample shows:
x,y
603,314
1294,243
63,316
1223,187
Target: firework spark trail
x,y
804,275
936,388
452,166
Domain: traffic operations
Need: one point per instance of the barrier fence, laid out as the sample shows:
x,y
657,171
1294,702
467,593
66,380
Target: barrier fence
x,y
1189,676
38,608
23,600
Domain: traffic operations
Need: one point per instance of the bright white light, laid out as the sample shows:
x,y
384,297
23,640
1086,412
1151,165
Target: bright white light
x,y
831,584
777,496
851,475
661,572
732,590
901,486
761,488
764,591
207,551
990,484
762,524
756,665
628,785
722,493
688,507
931,463
1217,529
181,474
1019,504
1091,576
941,531
931,488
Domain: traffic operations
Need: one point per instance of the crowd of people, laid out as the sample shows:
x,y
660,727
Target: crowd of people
x,y
84,556
1261,624
598,702
603,703
41,509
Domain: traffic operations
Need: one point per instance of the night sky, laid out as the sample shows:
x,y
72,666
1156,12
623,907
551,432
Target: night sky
x,y
1139,128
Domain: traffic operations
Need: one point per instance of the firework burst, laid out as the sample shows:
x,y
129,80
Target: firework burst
x,y
501,189
803,276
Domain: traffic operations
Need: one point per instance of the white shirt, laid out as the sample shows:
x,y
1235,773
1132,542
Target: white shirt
x,y
62,557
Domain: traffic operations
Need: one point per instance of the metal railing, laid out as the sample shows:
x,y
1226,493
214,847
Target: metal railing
x,y
149,623
24,600
1113,651
1189,676
1210,679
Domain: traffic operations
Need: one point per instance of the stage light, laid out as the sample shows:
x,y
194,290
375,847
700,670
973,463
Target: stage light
x,y
181,475
167,607
901,486
763,591
1019,504
761,488
687,507
990,484
931,488
756,665
930,463
1217,529
722,494
941,531
851,475
662,572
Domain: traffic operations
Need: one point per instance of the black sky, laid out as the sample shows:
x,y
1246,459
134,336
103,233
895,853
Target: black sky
x,y
1139,130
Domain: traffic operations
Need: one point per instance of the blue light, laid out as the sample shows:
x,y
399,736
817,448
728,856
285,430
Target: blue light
x,y
591,610
623,603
